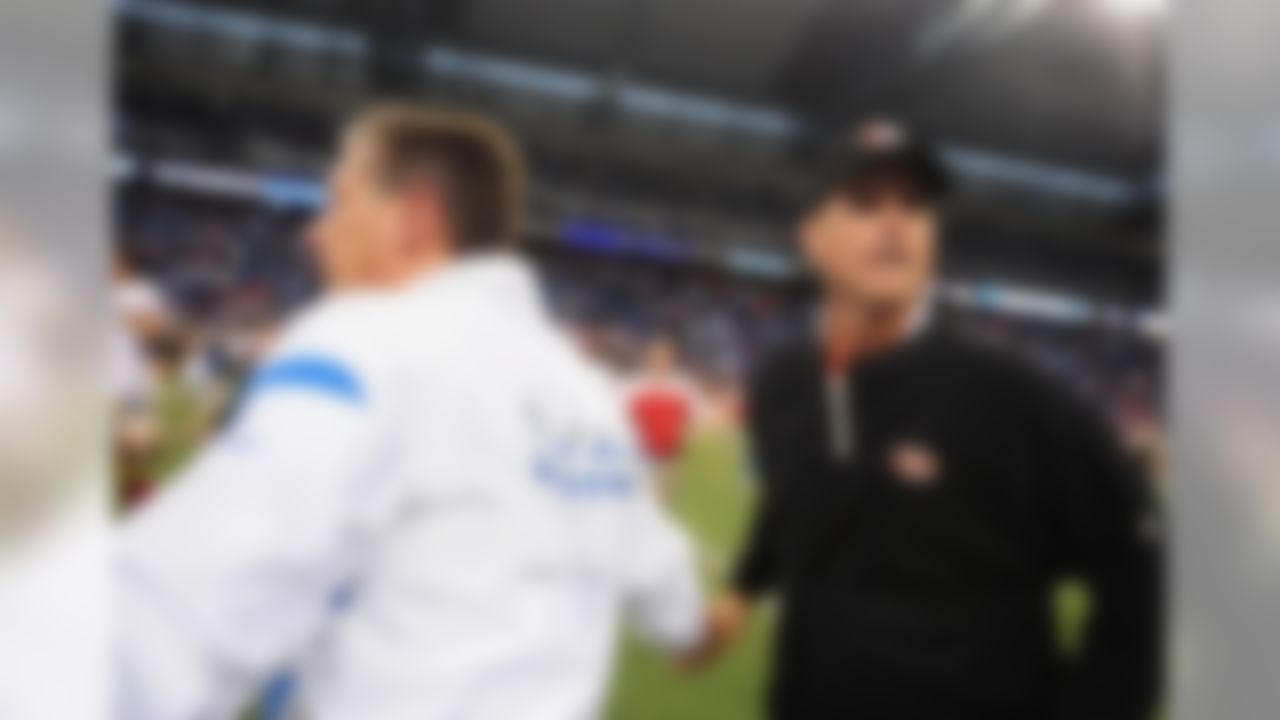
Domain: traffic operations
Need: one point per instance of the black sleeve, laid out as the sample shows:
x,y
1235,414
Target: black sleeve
x,y
756,571
1107,530
757,567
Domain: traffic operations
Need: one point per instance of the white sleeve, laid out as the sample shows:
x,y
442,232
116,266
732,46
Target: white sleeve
x,y
229,573
664,592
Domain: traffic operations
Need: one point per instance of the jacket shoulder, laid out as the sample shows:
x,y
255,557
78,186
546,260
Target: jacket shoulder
x,y
1011,375
340,318
783,364
354,333
780,374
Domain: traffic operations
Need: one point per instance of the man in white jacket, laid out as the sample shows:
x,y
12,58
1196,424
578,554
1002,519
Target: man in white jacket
x,y
424,445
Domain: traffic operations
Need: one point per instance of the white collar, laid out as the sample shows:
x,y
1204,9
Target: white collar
x,y
496,274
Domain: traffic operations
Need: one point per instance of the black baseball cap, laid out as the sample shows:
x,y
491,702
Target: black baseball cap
x,y
880,151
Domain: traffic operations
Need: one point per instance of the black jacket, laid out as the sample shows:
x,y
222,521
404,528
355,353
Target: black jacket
x,y
915,575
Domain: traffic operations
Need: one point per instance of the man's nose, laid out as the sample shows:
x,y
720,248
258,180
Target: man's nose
x,y
892,229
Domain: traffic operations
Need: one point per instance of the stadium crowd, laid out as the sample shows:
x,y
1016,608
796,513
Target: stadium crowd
x,y
206,282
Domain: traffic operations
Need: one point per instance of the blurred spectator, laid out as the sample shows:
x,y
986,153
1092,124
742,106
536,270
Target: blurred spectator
x,y
664,406
231,270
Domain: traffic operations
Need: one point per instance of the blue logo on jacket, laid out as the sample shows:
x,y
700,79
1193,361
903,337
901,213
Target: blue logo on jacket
x,y
583,464
311,373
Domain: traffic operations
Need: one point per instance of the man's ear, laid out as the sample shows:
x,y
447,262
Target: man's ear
x,y
422,217
809,236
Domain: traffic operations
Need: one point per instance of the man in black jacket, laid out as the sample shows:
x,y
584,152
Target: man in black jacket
x,y
923,495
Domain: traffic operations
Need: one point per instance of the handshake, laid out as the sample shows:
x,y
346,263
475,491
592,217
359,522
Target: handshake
x,y
726,617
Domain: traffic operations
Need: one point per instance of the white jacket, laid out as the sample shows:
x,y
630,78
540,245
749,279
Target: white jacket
x,y
430,500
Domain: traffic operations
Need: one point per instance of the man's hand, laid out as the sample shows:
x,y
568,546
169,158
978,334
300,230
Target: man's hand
x,y
726,616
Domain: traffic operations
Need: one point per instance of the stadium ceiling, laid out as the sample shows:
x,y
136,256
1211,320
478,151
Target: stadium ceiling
x,y
1069,82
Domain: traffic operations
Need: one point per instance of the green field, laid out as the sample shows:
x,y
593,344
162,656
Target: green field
x,y
713,498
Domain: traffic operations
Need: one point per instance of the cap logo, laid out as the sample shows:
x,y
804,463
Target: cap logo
x,y
914,464
879,135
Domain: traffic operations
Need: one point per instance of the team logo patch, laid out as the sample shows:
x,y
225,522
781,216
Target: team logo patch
x,y
914,464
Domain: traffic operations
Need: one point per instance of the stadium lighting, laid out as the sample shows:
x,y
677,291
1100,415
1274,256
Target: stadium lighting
x,y
1129,7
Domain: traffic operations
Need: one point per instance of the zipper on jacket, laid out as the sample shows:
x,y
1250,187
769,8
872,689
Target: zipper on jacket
x,y
841,423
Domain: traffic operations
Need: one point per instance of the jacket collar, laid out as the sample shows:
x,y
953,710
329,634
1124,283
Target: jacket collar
x,y
497,276
920,322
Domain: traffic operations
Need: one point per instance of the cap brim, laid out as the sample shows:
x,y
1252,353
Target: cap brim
x,y
911,168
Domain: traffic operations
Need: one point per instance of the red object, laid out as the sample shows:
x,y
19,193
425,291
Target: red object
x,y
661,413
839,350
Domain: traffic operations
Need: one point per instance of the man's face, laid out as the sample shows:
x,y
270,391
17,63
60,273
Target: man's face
x,y
661,356
874,244
353,239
